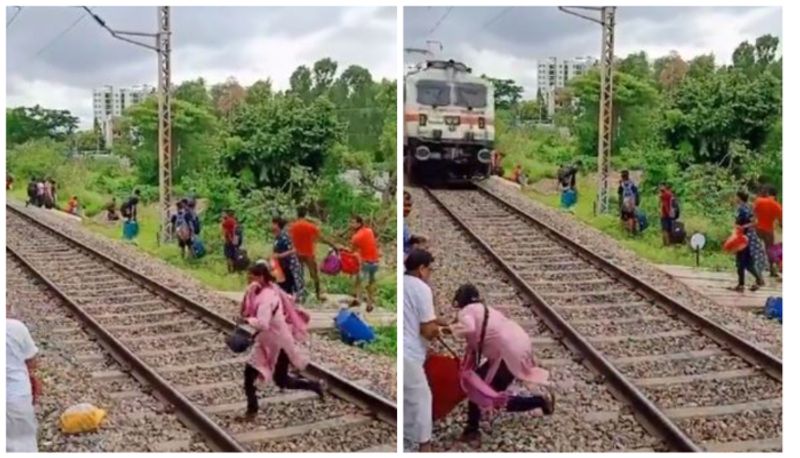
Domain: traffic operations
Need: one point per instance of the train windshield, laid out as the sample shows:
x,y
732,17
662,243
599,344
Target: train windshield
x,y
432,92
471,95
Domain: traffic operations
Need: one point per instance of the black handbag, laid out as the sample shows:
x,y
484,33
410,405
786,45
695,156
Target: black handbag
x,y
240,340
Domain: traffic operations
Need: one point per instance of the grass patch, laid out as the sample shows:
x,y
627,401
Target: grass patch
x,y
646,244
385,341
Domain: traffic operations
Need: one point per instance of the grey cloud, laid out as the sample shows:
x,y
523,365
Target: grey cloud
x,y
213,38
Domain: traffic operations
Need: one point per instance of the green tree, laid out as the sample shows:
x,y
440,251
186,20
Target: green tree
x,y
636,64
27,123
507,93
324,75
259,92
268,139
194,92
701,66
300,83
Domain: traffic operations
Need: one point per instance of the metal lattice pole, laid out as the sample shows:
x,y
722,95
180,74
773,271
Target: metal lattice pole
x,y
164,120
605,115
164,149
605,122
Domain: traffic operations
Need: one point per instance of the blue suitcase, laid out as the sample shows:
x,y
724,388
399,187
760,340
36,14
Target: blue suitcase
x,y
352,329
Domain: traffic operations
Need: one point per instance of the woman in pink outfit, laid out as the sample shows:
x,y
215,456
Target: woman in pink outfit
x,y
508,351
271,312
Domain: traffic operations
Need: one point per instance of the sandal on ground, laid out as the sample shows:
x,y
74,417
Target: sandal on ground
x,y
755,287
738,288
354,303
549,403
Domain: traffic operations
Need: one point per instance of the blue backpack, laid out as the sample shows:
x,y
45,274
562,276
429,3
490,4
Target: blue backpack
x,y
774,308
352,329
198,248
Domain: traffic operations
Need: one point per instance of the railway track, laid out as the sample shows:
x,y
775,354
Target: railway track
x,y
690,384
175,347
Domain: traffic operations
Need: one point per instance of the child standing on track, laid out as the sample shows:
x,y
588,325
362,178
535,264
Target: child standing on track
x,y
271,312
365,245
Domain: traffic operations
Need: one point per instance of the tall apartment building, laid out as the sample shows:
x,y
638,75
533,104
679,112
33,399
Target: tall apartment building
x,y
110,102
554,73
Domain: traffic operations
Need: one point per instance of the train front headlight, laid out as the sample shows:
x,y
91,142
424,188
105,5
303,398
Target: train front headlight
x,y
423,153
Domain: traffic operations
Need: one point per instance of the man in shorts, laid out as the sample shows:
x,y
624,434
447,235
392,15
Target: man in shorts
x,y
365,246
767,211
305,234
667,213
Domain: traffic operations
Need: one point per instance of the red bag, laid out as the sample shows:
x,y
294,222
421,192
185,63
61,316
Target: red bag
x,y
736,242
443,374
350,262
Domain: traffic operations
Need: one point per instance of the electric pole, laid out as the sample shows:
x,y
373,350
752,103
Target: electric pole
x,y
605,113
163,49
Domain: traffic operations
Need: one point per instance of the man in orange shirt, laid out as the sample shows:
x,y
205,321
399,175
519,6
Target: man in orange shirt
x,y
365,245
767,210
304,235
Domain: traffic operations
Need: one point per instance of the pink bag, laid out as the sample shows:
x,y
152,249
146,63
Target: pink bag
x,y
296,317
476,388
775,253
332,264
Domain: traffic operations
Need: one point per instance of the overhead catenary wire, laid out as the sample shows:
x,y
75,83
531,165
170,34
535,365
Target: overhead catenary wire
x,y
496,17
60,35
441,19
16,13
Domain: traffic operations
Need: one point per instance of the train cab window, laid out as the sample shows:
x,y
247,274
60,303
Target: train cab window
x,y
431,92
471,95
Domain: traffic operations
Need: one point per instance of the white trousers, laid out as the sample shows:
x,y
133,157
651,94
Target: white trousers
x,y
21,426
417,403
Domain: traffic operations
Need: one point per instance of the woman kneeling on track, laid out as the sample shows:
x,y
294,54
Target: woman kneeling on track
x,y
509,354
279,328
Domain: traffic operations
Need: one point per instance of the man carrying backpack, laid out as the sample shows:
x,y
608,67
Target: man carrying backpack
x,y
629,200
232,242
182,227
129,207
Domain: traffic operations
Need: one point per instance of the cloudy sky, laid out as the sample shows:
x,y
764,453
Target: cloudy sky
x,y
505,42
55,66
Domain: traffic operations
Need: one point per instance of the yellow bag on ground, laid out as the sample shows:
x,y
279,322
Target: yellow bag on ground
x,y
81,418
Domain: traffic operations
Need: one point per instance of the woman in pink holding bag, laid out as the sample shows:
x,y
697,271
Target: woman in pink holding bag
x,y
279,326
508,351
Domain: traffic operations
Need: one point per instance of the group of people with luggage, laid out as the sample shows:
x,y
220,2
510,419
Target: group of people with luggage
x,y
294,251
41,193
497,351
755,226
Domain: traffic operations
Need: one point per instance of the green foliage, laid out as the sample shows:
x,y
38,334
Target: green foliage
x,y
506,92
28,123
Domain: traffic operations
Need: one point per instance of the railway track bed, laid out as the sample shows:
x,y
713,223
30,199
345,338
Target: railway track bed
x,y
675,384
175,348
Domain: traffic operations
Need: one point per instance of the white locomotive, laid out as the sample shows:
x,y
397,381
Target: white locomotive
x,y
448,123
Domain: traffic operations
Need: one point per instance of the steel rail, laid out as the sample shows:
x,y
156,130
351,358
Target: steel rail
x,y
382,408
649,414
739,346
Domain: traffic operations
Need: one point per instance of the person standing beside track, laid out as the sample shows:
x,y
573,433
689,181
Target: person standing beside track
x,y
283,250
129,208
365,245
305,234
271,312
420,326
22,387
767,211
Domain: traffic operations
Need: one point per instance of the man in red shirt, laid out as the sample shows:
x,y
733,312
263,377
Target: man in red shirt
x,y
304,235
667,215
365,245
230,244
767,210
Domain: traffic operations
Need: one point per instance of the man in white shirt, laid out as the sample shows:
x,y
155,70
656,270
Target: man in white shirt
x,y
21,393
420,326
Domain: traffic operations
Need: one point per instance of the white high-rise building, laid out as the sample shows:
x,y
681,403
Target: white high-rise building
x,y
110,102
554,73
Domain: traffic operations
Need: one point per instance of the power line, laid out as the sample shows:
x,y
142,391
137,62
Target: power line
x,y
16,13
64,32
441,19
496,17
